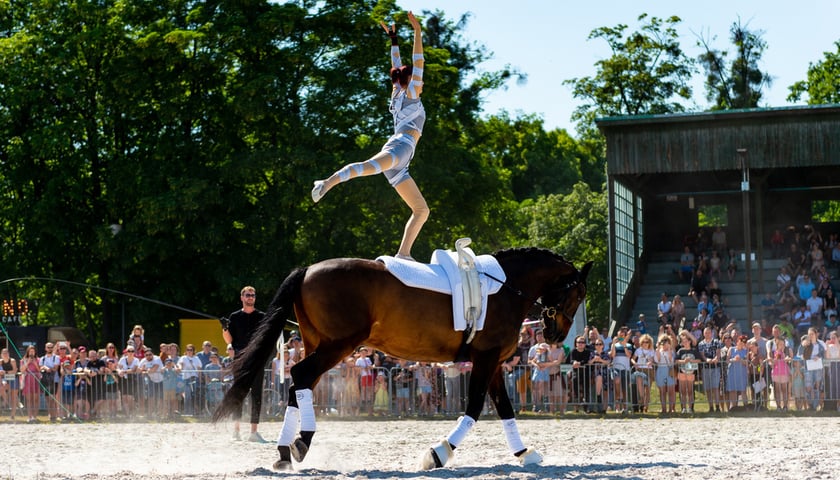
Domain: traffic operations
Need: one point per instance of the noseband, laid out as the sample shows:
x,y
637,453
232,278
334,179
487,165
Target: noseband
x,y
551,312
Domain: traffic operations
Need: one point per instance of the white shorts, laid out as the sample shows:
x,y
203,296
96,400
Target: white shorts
x,y
401,148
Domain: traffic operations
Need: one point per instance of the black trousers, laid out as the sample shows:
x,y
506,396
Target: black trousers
x,y
256,398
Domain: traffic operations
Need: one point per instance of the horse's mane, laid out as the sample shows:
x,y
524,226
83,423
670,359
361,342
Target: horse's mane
x,y
510,252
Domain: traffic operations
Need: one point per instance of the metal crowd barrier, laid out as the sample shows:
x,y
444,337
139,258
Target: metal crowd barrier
x,y
420,390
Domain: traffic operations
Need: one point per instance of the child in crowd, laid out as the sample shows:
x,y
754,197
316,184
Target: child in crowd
x,y
81,405
781,373
351,396
170,383
797,383
665,378
382,399
539,375
68,386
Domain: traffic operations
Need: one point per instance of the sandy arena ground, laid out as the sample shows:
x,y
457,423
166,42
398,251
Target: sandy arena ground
x,y
770,447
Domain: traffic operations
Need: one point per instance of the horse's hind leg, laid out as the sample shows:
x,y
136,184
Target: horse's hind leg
x,y
498,394
291,424
300,413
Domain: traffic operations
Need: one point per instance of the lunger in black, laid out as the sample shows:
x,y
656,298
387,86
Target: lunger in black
x,y
237,332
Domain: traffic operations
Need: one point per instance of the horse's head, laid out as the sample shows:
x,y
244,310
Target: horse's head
x,y
540,273
560,302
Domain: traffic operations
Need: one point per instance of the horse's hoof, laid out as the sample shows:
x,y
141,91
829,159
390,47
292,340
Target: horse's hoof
x,y
530,457
437,456
299,449
283,465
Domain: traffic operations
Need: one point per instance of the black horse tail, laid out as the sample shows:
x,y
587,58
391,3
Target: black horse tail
x,y
248,363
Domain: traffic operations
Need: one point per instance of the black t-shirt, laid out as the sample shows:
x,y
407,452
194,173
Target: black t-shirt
x,y
699,284
242,326
688,354
577,356
403,376
96,365
522,351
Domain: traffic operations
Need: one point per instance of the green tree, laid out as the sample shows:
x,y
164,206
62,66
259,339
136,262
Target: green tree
x,y
537,162
58,120
823,83
740,84
646,73
167,149
575,226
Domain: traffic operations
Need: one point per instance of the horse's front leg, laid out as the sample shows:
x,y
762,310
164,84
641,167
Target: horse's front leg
x,y
484,367
498,394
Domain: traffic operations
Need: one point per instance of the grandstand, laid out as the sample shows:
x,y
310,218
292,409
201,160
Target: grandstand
x,y
749,171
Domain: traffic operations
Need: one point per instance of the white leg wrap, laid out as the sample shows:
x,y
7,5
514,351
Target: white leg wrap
x,y
291,420
512,436
307,412
443,452
529,455
457,435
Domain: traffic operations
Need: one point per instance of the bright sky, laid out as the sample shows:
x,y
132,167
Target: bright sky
x,y
547,39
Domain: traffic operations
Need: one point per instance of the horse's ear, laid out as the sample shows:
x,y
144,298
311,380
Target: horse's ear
x,y
585,271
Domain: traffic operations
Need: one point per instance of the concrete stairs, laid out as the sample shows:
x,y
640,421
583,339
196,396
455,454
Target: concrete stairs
x,y
661,277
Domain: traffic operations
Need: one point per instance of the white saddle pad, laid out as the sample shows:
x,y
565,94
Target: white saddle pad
x,y
442,276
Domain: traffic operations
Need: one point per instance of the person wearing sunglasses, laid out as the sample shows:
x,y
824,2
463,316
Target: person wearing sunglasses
x,y
579,376
131,382
50,365
237,332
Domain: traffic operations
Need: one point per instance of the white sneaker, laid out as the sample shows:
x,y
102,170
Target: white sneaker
x,y
256,437
236,436
318,191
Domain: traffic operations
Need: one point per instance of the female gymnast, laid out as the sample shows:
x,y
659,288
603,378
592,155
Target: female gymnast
x,y
394,158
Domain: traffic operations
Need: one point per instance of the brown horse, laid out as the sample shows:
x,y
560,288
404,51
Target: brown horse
x,y
342,303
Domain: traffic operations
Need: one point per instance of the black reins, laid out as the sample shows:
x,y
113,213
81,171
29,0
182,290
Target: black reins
x,y
504,284
545,309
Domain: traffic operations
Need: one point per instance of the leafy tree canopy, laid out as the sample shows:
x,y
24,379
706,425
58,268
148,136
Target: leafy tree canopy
x,y
167,149
823,82
646,74
739,84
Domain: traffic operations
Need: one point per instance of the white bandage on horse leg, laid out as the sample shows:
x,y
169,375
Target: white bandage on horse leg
x,y
457,435
307,412
291,421
512,436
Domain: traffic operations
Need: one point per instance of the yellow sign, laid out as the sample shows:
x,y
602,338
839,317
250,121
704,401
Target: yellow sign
x,y
197,330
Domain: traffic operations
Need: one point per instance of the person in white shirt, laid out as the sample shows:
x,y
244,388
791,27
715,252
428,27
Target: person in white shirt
x,y
131,382
802,319
50,365
190,367
366,376
152,368
815,305
783,281
812,350
664,309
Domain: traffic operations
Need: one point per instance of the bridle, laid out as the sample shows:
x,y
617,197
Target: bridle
x,y
568,312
